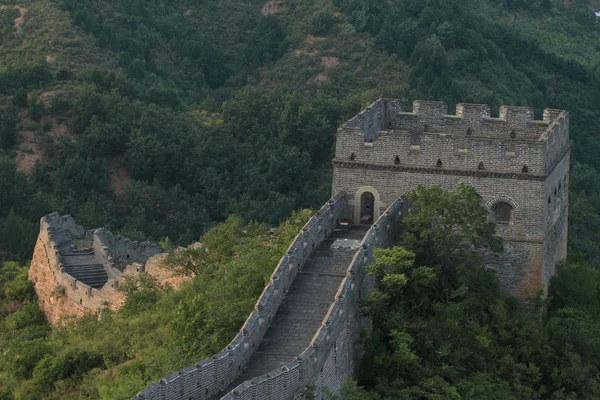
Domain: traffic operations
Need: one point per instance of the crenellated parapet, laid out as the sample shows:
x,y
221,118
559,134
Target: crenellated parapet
x,y
517,163
468,142
119,251
209,377
77,271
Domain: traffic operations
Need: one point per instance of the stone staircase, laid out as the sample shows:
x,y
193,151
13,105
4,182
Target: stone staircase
x,y
85,268
304,306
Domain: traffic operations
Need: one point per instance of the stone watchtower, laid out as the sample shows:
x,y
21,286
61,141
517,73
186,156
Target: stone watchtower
x,y
520,166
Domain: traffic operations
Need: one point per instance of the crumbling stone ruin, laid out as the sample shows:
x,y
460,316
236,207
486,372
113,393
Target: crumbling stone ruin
x,y
304,333
77,272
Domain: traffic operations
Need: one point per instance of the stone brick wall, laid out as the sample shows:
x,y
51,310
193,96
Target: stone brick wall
x,y
331,359
210,376
511,159
119,251
61,294
76,298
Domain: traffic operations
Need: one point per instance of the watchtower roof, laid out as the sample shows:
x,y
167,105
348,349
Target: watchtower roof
x,y
470,120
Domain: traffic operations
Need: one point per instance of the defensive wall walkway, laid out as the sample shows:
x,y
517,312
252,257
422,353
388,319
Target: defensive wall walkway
x,y
305,328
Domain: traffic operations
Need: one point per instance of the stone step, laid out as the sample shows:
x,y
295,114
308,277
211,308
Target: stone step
x,y
304,306
93,275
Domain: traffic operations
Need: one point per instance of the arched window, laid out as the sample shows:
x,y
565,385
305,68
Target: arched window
x,y
469,131
513,134
439,163
481,166
525,169
397,160
352,157
502,212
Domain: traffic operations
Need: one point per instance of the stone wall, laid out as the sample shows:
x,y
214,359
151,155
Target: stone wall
x,y
428,136
331,359
210,376
119,251
511,159
61,294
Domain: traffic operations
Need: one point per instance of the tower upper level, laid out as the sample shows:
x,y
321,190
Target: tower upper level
x,y
514,142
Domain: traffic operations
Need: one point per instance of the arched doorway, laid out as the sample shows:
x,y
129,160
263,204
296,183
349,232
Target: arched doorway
x,y
367,208
366,203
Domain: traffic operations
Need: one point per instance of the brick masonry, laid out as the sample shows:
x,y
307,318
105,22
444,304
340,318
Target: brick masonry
x,y
305,328
511,159
55,267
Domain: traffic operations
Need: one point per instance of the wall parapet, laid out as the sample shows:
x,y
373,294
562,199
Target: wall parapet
x,y
119,251
431,116
209,377
287,381
58,235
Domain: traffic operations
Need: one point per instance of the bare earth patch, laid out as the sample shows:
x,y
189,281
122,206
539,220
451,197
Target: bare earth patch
x,y
320,79
119,177
20,19
30,145
272,7
188,12
306,46
330,61
46,97
28,152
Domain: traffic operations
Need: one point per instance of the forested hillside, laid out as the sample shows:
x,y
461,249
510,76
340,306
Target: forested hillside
x,y
161,119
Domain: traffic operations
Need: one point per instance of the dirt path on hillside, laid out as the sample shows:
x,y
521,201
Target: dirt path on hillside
x,y
20,19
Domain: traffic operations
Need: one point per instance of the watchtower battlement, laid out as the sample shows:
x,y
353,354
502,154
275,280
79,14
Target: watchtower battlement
x,y
473,120
518,164
471,140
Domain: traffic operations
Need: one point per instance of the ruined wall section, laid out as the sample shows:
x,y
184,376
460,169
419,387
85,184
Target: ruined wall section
x,y
61,294
209,377
117,251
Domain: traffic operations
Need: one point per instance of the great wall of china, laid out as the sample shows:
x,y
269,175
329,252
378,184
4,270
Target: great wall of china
x,y
305,329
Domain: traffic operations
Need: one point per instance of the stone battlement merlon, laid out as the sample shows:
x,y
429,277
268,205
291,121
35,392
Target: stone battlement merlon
x,y
474,120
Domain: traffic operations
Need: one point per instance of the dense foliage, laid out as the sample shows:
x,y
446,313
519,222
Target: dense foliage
x,y
159,120
441,330
157,331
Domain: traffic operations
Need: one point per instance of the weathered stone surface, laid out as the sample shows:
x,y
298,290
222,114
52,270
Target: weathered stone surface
x,y
47,287
77,272
513,159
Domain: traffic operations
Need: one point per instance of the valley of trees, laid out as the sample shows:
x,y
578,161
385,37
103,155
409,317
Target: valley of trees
x,y
162,120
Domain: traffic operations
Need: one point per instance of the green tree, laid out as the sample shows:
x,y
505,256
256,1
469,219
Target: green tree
x,y
8,126
20,98
444,225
